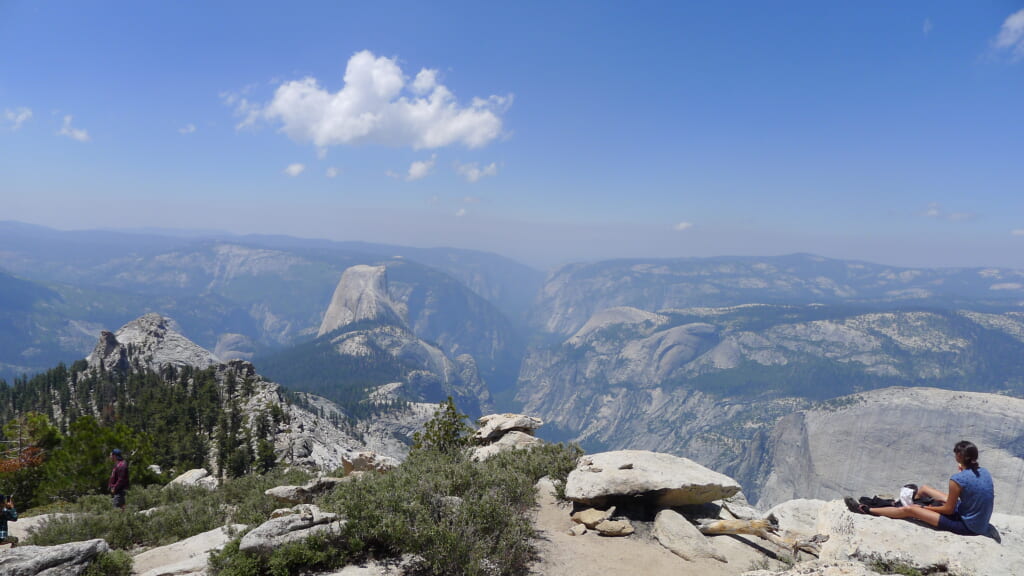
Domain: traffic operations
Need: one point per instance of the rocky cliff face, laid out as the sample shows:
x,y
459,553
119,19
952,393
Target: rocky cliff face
x,y
364,320
875,442
361,295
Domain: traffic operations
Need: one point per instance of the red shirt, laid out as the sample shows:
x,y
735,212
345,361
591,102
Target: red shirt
x,y
119,477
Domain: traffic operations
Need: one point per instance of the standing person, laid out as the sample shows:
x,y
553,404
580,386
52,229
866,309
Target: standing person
x,y
966,509
118,483
8,513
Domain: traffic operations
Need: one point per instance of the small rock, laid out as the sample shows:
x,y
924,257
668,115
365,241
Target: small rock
x,y
614,528
577,530
591,517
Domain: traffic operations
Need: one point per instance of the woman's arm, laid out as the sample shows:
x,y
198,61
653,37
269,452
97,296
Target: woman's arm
x,y
949,505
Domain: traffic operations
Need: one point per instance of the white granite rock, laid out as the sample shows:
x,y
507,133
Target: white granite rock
x,y
69,559
676,533
668,480
493,426
513,440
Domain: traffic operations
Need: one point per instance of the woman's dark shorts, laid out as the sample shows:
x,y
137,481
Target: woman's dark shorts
x,y
119,500
955,524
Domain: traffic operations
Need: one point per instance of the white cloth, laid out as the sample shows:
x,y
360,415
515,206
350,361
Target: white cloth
x,y
906,496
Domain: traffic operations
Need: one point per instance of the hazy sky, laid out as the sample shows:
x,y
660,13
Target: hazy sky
x,y
546,131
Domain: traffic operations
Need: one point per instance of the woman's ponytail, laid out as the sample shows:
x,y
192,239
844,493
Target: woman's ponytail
x,y
968,454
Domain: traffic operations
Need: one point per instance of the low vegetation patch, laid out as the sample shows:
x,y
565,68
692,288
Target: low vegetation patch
x,y
456,516
176,513
113,563
459,517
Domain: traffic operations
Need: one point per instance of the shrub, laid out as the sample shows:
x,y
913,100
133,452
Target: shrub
x,y
113,563
448,431
230,562
460,517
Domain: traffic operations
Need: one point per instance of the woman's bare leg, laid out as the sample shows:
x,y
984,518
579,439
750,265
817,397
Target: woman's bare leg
x,y
929,517
933,493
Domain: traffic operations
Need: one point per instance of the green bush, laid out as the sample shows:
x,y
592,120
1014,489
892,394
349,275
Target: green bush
x,y
448,431
459,517
113,563
230,562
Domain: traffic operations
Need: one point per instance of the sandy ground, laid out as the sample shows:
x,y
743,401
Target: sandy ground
x,y
635,555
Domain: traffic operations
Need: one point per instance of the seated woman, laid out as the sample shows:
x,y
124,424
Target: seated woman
x,y
966,509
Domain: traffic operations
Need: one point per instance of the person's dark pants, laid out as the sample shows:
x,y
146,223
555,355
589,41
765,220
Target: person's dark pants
x,y
119,499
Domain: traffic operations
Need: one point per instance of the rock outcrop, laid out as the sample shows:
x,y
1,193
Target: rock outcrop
x,y
502,432
902,543
875,442
306,493
494,426
663,479
197,477
69,559
188,556
307,520
153,341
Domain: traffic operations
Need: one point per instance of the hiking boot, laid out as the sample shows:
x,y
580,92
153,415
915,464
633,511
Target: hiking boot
x,y
856,507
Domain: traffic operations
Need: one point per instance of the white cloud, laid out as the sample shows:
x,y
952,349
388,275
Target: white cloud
x,y
1017,232
187,129
460,212
473,172
18,116
377,105
294,169
927,26
1011,35
421,169
683,226
71,132
937,212
249,111
332,172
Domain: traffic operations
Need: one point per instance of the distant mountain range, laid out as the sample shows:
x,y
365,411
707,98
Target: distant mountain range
x,y
699,357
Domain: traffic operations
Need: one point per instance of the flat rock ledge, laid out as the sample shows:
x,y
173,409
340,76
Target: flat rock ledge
x,y
494,426
306,493
514,440
197,477
186,556
307,521
69,559
666,480
871,540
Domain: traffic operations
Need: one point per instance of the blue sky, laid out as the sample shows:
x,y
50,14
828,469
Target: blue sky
x,y
546,131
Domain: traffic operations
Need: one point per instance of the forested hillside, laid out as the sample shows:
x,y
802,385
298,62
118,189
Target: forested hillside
x,y
61,424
